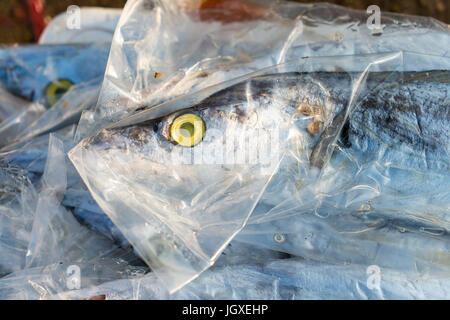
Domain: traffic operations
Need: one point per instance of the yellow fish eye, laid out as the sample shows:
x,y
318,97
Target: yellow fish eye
x,y
56,89
187,130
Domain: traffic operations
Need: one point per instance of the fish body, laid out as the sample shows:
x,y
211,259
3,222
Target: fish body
x,y
383,198
330,138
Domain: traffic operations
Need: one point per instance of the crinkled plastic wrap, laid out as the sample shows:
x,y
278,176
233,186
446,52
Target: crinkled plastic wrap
x,y
56,245
164,48
32,155
17,199
50,280
12,128
180,202
10,104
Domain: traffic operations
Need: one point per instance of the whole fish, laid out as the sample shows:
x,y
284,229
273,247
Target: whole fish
x,y
179,190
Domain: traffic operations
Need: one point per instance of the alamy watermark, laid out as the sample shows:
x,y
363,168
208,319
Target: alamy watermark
x,y
73,281
373,277
73,18
245,146
374,20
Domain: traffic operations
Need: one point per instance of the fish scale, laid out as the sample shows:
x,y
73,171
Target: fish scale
x,y
415,122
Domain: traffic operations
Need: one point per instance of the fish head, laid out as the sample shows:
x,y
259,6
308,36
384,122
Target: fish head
x,y
199,146
230,128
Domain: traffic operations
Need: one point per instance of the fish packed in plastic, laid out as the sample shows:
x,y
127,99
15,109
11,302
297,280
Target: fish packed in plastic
x,y
229,149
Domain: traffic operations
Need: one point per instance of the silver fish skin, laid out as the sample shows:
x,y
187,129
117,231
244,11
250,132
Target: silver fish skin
x,y
365,238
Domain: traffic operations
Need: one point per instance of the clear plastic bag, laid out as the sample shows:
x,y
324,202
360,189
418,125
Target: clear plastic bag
x,y
57,244
358,176
50,280
12,128
180,202
9,104
31,155
163,49
17,203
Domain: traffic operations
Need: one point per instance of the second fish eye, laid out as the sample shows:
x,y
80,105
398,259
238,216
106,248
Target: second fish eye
x,y
55,90
187,130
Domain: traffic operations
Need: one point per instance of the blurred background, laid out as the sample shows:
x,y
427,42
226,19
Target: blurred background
x,y
21,21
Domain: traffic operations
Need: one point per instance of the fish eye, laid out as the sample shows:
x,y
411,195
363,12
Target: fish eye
x,y
187,130
55,90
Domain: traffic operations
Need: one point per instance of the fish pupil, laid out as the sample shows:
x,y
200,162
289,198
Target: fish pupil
x,y
60,91
187,130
